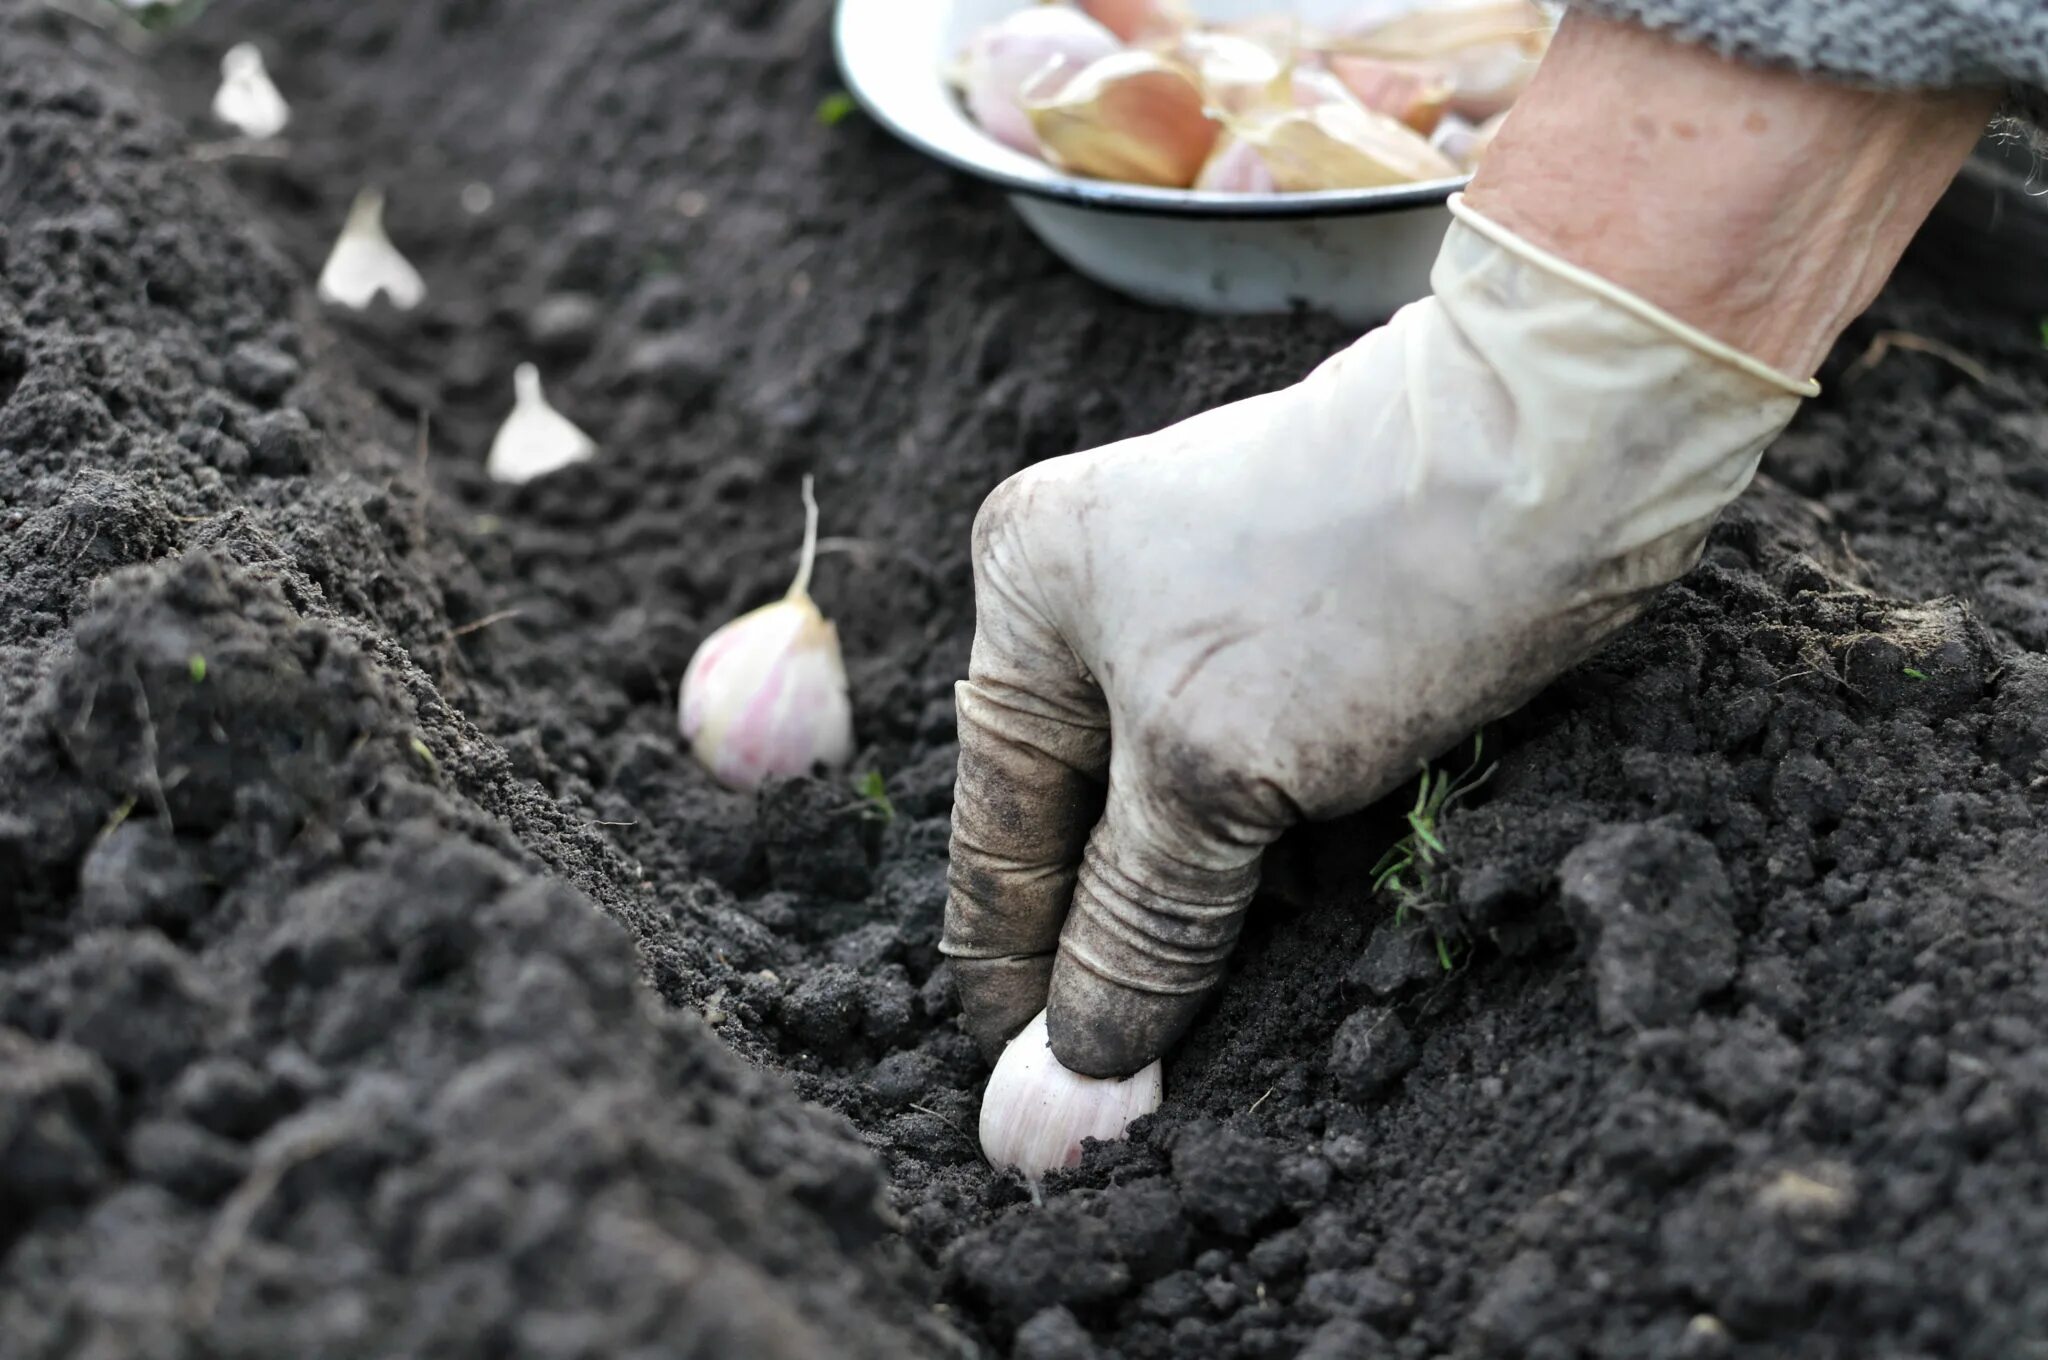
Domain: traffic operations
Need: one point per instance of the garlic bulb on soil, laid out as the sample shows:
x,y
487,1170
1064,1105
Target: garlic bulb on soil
x,y
535,439
1035,1112
1000,59
1132,116
766,694
247,101
364,263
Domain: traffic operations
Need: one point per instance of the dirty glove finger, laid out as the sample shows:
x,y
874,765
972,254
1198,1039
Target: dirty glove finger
x,y
1158,905
1034,752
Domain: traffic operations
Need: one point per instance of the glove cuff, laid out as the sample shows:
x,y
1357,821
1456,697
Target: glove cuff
x,y
1622,298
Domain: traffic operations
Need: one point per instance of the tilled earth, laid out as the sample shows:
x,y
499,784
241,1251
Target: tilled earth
x,y
379,977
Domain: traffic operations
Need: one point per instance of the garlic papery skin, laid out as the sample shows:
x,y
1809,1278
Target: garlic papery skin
x,y
1132,116
766,694
1234,71
247,101
1002,58
1035,1112
1341,146
364,263
535,439
1235,168
1413,93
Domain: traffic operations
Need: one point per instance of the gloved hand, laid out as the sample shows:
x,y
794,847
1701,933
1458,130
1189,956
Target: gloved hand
x,y
1278,610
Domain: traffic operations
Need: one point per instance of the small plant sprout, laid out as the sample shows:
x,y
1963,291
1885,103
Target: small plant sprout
x,y
535,439
1412,861
247,101
874,798
766,694
1036,1112
835,108
364,263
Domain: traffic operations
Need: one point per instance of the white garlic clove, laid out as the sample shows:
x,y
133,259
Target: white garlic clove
x,y
364,263
1002,58
1463,142
1035,1112
535,439
1132,116
1235,72
247,101
1236,167
1488,50
766,694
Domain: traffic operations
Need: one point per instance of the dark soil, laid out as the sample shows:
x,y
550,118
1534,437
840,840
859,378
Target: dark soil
x,y
340,793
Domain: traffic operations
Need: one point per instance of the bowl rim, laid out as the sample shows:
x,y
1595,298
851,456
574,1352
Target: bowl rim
x,y
1135,199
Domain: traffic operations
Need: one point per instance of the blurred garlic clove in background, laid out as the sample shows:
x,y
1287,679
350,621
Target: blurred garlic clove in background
x,y
1414,93
1140,21
1341,146
1236,167
1464,143
1132,116
1236,72
1024,48
364,263
535,439
247,100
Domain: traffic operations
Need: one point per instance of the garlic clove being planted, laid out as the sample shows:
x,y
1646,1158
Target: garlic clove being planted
x,y
364,263
535,439
1002,58
1131,116
766,694
247,101
1035,1112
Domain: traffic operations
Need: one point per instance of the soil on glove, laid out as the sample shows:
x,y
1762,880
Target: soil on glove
x,y
378,975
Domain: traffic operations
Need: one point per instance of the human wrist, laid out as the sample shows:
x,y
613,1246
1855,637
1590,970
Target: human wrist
x,y
1763,207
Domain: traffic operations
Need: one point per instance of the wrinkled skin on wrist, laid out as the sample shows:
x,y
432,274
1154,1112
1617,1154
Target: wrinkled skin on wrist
x,y
1762,206
1190,641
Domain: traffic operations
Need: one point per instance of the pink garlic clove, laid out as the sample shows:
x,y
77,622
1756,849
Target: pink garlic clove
x,y
1132,116
1414,93
1137,21
765,695
1235,168
1002,58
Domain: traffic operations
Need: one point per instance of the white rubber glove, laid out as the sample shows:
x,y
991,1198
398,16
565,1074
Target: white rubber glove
x,y
1278,610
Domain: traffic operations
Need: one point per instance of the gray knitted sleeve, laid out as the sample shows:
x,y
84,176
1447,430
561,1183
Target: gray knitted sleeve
x,y
1904,43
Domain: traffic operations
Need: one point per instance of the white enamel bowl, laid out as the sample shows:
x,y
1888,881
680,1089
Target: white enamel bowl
x,y
1356,253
